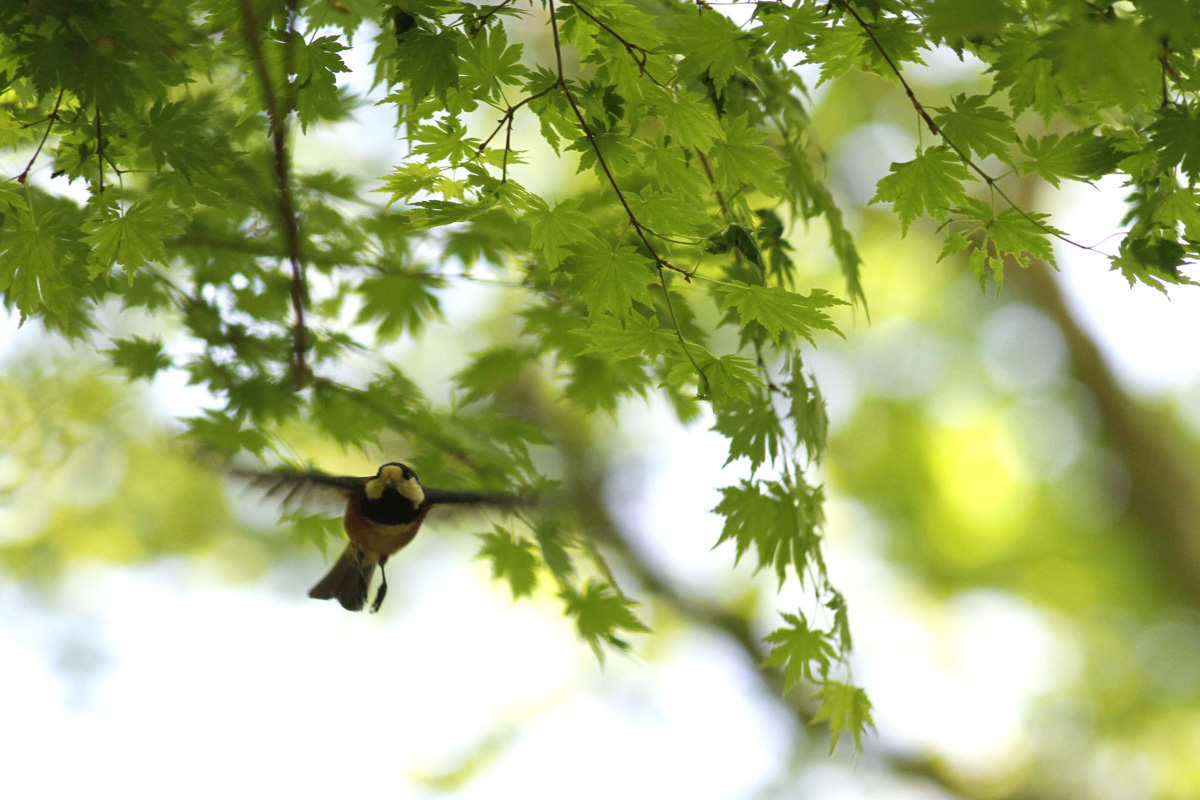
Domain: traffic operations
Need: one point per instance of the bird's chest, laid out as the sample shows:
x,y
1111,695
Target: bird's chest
x,y
383,526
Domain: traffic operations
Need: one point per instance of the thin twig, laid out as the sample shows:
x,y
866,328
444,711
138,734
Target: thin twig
x,y
277,119
99,150
687,351
53,117
659,261
508,115
1166,70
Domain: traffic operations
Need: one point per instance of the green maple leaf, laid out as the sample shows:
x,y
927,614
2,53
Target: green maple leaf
x,y
1176,134
428,214
132,239
29,265
337,412
898,36
170,134
789,28
932,183
748,512
847,46
807,412
490,62
779,310
689,118
753,430
225,435
409,179
974,125
399,303
841,621
579,31
428,62
610,279
671,210
140,358
712,44
1011,234
317,65
1032,80
729,378
840,48
317,529
743,160
1053,157
1149,257
797,648
636,337
447,140
846,709
1108,62
554,230
778,520
601,614
953,21
1023,236
491,371
552,541
513,560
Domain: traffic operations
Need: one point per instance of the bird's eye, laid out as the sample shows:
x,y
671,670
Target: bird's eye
x,y
409,474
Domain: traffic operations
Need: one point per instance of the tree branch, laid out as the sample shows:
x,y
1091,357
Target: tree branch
x,y
277,115
1164,483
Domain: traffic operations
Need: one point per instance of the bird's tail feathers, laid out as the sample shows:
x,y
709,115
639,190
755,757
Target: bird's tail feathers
x,y
346,582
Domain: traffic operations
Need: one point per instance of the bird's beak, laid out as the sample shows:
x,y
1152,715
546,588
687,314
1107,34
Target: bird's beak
x,y
389,484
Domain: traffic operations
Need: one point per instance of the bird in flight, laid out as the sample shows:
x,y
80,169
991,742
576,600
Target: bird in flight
x,y
383,514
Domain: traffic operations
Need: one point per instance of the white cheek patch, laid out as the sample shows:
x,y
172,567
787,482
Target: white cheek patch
x,y
374,489
411,489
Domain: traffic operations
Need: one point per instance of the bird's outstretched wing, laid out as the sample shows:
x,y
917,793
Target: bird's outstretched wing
x,y
292,485
453,497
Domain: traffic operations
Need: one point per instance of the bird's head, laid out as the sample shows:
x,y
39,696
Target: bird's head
x,y
396,478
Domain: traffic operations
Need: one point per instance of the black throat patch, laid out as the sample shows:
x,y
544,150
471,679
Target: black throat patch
x,y
392,508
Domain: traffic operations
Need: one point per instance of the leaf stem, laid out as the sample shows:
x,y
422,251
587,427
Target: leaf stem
x,y
704,387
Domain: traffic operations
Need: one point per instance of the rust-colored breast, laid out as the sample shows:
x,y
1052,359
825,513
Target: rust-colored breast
x,y
374,538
